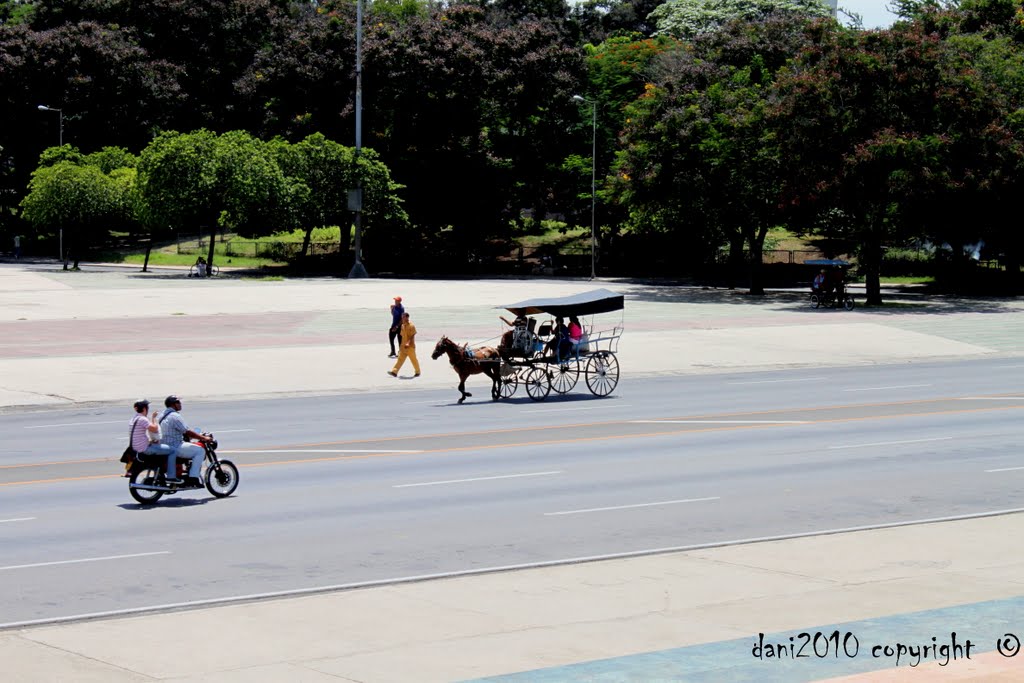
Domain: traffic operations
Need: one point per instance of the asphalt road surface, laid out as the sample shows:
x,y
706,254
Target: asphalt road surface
x,y
380,487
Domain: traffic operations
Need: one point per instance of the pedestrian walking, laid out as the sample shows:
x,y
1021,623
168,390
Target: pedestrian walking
x,y
407,347
17,246
396,324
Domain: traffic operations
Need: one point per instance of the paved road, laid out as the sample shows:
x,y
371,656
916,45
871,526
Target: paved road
x,y
340,490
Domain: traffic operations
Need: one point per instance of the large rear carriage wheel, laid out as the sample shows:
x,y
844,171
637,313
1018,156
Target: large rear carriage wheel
x,y
538,384
602,373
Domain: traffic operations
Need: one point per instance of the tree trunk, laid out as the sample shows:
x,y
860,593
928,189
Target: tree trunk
x,y
209,259
306,240
145,262
755,244
871,263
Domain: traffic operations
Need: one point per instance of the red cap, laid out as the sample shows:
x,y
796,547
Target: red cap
x,y
398,299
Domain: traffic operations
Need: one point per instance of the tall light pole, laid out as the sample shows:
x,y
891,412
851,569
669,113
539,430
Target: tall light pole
x,y
356,197
60,141
593,183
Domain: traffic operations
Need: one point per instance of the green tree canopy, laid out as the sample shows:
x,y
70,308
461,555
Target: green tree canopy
x,y
690,18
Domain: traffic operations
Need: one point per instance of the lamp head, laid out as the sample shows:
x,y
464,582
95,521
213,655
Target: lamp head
x,y
43,107
578,98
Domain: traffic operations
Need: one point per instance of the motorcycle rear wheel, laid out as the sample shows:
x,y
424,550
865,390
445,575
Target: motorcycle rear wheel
x,y
146,476
222,479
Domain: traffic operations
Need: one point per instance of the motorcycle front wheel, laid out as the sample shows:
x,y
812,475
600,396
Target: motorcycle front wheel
x,y
222,478
146,476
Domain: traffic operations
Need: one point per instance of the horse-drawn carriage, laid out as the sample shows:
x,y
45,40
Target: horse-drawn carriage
x,y
551,356
548,355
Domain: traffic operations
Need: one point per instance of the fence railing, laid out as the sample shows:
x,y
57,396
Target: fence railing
x,y
279,251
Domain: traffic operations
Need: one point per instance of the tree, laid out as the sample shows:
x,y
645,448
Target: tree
x,y
228,182
319,171
82,201
700,161
898,132
473,113
691,18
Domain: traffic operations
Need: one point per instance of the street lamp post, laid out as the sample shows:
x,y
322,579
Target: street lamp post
x,y
356,197
593,182
60,141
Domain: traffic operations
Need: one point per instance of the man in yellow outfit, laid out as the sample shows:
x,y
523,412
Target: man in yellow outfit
x,y
407,349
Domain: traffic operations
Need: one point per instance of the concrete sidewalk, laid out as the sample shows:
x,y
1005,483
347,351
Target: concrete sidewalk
x,y
676,617
61,331
68,338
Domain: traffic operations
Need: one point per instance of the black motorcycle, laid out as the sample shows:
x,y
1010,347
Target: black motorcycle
x,y
147,485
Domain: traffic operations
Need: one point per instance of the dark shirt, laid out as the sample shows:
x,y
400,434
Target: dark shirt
x,y
396,315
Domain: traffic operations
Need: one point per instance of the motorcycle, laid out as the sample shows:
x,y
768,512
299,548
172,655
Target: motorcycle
x,y
147,486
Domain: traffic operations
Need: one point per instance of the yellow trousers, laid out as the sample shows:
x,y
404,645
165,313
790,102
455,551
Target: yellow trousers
x,y
403,353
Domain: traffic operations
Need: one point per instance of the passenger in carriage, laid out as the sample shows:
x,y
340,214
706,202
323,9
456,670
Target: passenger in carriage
x,y
559,339
575,330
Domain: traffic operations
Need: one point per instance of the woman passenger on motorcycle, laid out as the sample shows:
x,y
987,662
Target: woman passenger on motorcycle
x,y
141,427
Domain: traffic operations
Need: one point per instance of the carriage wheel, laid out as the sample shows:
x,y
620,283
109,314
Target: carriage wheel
x,y
602,373
538,384
564,377
508,382
848,303
815,300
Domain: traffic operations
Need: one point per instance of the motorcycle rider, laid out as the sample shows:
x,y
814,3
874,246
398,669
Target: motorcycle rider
x,y
175,431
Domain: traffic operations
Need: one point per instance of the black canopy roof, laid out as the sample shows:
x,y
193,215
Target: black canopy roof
x,y
586,303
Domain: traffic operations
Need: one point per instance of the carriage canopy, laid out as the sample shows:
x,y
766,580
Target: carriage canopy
x,y
585,303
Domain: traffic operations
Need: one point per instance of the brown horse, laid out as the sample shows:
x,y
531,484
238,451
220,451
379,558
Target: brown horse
x,y
485,360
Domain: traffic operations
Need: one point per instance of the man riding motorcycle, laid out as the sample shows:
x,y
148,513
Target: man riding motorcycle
x,y
175,431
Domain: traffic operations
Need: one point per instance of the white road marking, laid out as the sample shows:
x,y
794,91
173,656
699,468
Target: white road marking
x,y
313,590
86,559
1006,469
17,519
460,481
777,381
77,424
898,386
890,443
562,410
351,450
992,398
439,401
626,507
721,422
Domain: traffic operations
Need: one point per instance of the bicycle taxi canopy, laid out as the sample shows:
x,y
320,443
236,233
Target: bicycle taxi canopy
x,y
827,262
586,303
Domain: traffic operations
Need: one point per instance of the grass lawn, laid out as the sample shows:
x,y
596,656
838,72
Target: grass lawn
x,y
907,280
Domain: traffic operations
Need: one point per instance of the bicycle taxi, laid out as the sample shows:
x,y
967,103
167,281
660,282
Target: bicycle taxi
x,y
829,287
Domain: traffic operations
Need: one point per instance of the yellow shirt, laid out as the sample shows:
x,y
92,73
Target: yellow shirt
x,y
409,334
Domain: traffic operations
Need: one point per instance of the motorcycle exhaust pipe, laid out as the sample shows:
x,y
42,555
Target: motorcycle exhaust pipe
x,y
149,487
